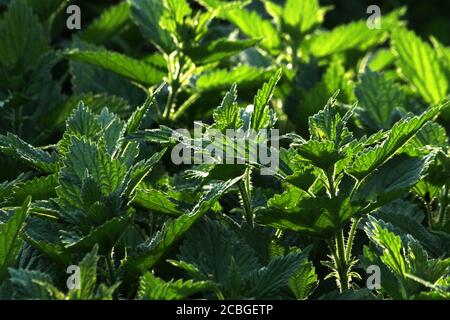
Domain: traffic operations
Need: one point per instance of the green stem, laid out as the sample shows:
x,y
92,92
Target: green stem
x,y
351,237
173,92
443,203
244,189
185,106
175,81
331,183
429,214
341,262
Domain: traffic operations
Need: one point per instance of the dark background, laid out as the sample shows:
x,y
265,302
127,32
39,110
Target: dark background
x,y
430,17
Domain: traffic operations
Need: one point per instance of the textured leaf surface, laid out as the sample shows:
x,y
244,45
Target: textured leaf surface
x,y
110,22
154,288
418,62
9,237
371,158
218,50
130,68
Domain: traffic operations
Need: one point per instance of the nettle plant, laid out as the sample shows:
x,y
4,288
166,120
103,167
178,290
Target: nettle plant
x,y
335,180
315,61
331,181
86,193
96,204
187,56
81,199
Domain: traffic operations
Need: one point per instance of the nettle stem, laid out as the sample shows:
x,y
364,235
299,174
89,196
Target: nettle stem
x,y
340,249
443,204
351,237
341,261
171,99
245,191
174,86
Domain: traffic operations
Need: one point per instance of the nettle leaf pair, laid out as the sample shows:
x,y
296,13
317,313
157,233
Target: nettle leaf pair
x,y
216,254
81,191
408,270
333,178
90,175
250,128
292,28
82,200
357,175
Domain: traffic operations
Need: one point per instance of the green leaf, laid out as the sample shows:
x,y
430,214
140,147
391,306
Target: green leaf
x,y
320,154
431,135
301,15
22,36
327,124
420,265
404,224
47,10
226,116
265,282
110,23
212,249
25,286
85,156
380,60
391,245
41,188
106,129
174,14
354,35
132,69
149,253
90,78
88,280
6,187
141,169
222,79
389,281
96,103
35,157
147,15
157,200
88,276
392,179
105,236
218,50
294,210
379,98
43,234
304,281
305,102
10,241
371,158
154,288
254,26
262,116
135,120
298,172
419,64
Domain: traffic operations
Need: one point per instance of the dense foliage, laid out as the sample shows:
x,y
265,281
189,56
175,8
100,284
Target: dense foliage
x,y
88,123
